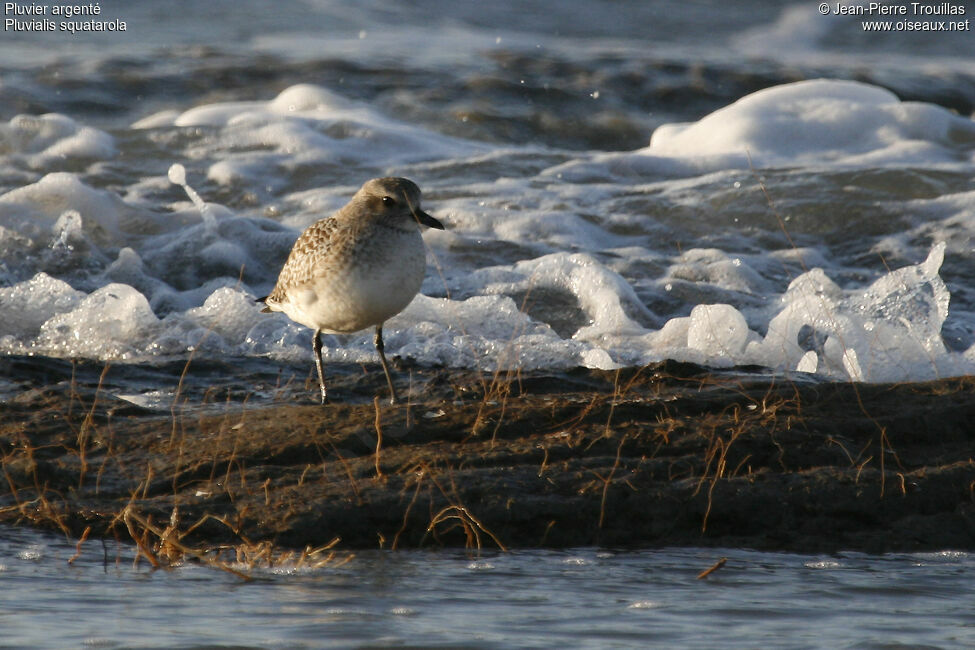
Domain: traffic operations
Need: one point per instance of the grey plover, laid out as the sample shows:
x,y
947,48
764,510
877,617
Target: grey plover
x,y
356,268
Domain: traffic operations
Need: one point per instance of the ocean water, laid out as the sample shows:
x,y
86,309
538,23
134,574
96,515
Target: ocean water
x,y
579,598
621,183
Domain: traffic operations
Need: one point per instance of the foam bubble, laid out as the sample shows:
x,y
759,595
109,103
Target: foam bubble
x,y
819,121
113,322
32,210
718,331
228,312
310,126
46,139
808,363
484,332
67,229
177,174
798,28
603,295
28,305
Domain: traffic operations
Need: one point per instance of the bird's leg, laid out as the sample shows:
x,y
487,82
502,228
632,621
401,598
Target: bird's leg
x,y
316,345
380,348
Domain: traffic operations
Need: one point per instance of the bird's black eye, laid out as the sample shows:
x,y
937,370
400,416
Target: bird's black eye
x,y
389,201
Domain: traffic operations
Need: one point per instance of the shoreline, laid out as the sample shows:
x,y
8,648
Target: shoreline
x,y
667,455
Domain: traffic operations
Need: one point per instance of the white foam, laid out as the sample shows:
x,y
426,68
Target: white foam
x,y
538,271
602,294
715,267
113,322
67,230
28,305
228,312
808,363
818,122
177,176
32,210
484,332
798,30
46,139
801,35
894,324
718,331
308,125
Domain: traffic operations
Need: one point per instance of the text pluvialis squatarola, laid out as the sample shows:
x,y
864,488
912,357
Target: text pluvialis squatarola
x,y
356,268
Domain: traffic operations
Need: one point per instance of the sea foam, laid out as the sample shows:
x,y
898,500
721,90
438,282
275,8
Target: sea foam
x,y
600,259
814,123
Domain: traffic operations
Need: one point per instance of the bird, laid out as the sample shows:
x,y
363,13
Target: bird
x,y
357,268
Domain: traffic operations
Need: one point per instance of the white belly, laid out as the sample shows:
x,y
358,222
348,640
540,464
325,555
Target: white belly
x,y
380,284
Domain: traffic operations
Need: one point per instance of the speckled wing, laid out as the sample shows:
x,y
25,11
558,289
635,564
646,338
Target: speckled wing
x,y
318,244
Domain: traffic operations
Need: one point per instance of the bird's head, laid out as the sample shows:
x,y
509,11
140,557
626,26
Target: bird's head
x,y
394,202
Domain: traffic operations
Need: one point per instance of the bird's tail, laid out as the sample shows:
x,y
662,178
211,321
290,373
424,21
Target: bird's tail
x,y
267,309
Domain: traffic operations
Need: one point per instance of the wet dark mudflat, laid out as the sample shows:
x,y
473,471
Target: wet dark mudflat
x,y
664,455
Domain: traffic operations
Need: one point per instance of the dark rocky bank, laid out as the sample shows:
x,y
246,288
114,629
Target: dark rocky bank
x,y
664,455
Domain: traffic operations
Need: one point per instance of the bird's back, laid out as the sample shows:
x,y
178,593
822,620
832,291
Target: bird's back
x,y
319,249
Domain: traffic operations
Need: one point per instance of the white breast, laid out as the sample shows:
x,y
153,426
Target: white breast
x,y
379,281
